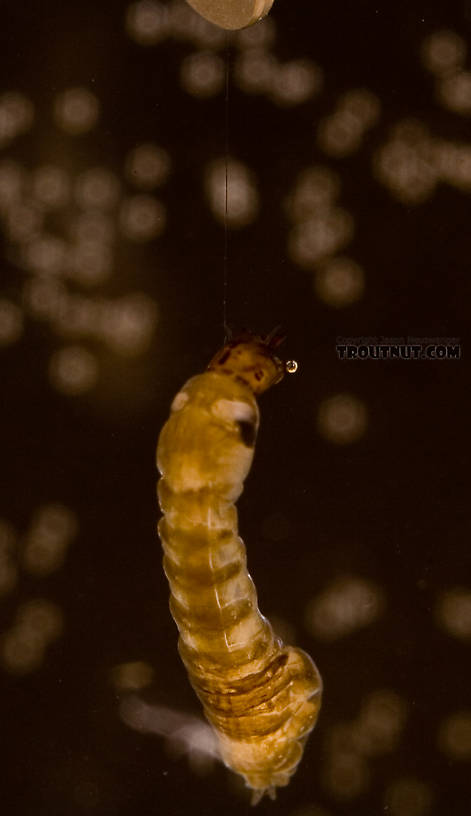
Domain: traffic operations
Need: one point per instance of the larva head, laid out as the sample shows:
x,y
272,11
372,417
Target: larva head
x,y
251,358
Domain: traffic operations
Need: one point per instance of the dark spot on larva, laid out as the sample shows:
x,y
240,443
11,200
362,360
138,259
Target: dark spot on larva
x,y
240,379
248,432
224,357
258,375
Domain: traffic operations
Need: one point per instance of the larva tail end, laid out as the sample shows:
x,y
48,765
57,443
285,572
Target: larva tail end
x,y
251,358
259,793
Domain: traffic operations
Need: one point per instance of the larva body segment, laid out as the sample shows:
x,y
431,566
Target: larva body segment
x,y
261,697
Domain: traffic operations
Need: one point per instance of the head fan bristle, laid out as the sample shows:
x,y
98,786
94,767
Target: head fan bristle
x,y
275,338
272,340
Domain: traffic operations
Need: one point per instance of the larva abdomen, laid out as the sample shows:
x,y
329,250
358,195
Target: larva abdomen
x,y
261,697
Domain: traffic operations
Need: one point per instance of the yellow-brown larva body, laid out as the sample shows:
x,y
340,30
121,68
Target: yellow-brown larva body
x,y
261,697
232,14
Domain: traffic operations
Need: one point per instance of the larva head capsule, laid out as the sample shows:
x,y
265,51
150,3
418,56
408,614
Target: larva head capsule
x,y
252,359
232,14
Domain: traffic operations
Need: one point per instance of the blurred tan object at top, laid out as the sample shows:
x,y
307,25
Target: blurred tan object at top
x,y
232,14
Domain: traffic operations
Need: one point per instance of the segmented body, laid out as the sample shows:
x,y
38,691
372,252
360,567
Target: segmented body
x,y
261,697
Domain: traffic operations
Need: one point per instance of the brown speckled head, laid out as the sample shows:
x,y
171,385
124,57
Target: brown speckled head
x,y
232,14
251,358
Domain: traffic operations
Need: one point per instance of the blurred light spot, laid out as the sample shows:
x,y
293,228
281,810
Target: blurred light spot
x,y
21,652
142,218
132,676
23,221
342,419
312,240
41,618
8,576
262,35
45,254
50,186
11,322
93,226
454,93
76,110
90,262
339,282
340,134
346,605
362,105
16,116
127,324
44,298
255,71
343,738
408,797
97,188
184,734
52,529
454,736
202,74
404,164
453,162
186,25
147,166
453,612
78,317
11,183
147,22
443,52
8,567
296,81
91,258
7,537
380,722
38,622
345,775
316,189
375,731
242,197
73,370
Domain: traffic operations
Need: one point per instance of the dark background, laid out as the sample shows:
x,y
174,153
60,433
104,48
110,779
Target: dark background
x,y
389,508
